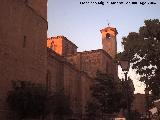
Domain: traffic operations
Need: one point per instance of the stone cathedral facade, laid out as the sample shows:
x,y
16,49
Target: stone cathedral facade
x,y
27,54
75,71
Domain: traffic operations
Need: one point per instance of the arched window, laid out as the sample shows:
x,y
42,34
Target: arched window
x,y
108,36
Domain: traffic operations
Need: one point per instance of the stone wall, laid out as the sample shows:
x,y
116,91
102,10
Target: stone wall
x,y
55,43
72,86
55,71
75,60
62,45
23,34
77,86
39,6
64,75
93,61
109,66
86,84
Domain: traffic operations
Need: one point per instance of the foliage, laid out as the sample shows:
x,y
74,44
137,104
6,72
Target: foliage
x,y
60,105
143,51
91,110
127,96
107,92
30,100
27,99
128,93
109,95
135,115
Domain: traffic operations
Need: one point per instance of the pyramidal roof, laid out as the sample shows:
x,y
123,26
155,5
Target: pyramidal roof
x,y
109,28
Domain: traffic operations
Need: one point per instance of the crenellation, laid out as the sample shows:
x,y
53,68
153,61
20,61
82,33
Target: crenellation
x,y
62,45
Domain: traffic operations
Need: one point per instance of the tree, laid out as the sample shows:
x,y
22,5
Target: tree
x,y
143,51
106,90
27,100
91,110
135,115
60,105
127,96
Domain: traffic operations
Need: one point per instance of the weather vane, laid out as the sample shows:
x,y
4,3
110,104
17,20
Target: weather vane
x,y
108,23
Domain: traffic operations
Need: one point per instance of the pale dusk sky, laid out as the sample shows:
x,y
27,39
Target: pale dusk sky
x,y
81,23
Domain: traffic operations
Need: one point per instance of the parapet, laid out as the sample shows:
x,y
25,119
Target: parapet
x,y
62,45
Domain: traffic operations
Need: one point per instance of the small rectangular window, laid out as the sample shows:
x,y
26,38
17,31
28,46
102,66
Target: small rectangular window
x,y
107,67
24,41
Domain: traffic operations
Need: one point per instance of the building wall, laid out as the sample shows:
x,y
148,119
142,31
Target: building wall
x,y
69,48
55,71
86,84
55,44
75,60
39,6
109,65
72,86
64,75
93,61
77,85
23,33
62,45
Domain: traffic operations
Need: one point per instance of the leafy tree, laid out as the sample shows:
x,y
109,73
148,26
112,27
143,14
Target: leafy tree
x,y
143,50
106,90
135,115
60,105
27,100
30,100
127,95
91,110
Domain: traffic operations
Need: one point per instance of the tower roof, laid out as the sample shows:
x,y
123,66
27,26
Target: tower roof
x,y
109,28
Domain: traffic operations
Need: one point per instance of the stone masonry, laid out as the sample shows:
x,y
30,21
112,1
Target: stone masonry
x,y
23,33
26,55
63,75
109,40
77,70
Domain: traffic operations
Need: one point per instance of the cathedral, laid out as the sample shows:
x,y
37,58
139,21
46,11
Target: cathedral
x,y
26,54
75,71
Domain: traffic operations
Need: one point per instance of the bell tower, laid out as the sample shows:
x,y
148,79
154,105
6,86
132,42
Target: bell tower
x,y
109,41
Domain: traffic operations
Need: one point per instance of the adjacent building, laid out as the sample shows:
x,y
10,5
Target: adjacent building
x,y
23,54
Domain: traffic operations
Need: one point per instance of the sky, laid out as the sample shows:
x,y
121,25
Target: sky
x,y
81,23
